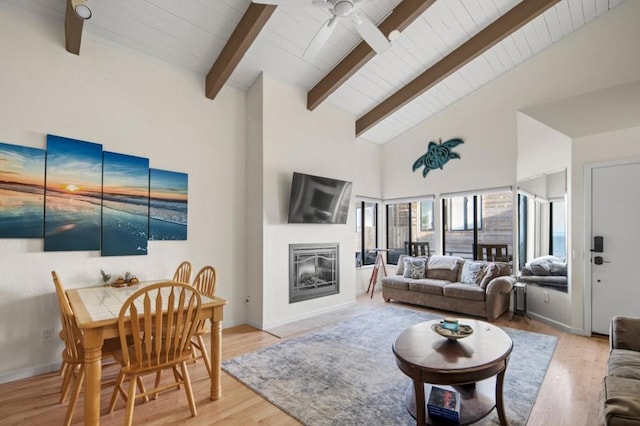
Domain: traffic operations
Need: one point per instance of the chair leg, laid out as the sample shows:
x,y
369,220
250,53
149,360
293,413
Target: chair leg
x,y
66,382
131,400
188,390
116,389
142,389
205,354
74,396
157,383
63,368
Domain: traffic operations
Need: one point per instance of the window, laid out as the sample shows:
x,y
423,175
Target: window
x,y
409,223
366,232
483,218
558,228
426,215
461,215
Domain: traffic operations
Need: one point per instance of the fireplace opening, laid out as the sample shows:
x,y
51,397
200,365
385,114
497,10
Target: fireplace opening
x,y
313,271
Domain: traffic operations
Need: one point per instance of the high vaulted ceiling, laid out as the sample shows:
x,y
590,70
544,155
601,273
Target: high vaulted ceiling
x,y
446,49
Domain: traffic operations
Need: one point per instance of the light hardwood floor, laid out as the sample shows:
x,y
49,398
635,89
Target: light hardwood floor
x,y
568,396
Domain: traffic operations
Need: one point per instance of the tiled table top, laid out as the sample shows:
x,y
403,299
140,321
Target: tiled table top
x,y
104,303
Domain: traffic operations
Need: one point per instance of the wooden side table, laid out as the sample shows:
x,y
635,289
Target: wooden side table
x,y
376,268
473,366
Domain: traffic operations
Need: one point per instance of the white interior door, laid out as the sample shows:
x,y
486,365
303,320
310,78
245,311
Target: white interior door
x,y
615,216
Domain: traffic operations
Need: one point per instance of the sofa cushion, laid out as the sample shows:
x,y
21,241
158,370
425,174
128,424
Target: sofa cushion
x,y
624,363
414,267
621,401
491,271
472,272
428,286
464,291
395,281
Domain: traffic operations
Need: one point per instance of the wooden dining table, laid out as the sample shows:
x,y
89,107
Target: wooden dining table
x,y
96,310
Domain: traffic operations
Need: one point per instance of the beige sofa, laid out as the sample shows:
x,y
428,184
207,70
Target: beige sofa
x,y
621,387
480,288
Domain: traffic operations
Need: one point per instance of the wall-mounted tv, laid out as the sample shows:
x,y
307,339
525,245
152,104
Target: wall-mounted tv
x,y
316,199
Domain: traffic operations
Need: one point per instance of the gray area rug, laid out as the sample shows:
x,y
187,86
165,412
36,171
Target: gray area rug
x,y
346,374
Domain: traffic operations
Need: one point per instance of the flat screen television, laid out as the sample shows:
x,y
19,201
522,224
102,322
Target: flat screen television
x,y
316,199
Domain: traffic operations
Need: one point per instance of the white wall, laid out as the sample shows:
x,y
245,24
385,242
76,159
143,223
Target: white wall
x,y
541,150
130,105
321,143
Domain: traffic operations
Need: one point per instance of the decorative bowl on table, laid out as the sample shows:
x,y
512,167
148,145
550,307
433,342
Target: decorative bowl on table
x,y
463,331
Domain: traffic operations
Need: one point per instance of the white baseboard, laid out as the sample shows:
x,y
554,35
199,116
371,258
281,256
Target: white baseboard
x,y
552,323
267,326
29,372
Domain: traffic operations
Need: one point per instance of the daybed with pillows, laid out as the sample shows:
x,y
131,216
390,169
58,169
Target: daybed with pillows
x,y
550,271
451,283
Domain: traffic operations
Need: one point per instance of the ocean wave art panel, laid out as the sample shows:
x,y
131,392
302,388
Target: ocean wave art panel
x,y
73,195
168,200
21,191
125,205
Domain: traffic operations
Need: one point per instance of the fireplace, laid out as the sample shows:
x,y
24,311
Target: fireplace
x,y
313,271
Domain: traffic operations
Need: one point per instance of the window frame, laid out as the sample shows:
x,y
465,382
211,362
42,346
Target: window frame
x,y
361,205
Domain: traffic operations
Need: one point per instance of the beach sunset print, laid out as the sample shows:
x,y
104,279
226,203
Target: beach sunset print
x,y
168,199
125,204
73,195
21,191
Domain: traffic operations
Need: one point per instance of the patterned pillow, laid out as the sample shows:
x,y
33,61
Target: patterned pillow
x,y
414,267
472,272
400,266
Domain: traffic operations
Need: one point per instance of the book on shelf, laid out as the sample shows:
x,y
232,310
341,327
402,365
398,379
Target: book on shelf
x,y
444,404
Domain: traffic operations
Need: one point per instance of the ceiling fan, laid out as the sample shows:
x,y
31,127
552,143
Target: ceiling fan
x,y
339,9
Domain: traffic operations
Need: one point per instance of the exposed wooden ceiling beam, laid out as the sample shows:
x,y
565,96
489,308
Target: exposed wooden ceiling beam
x,y
401,17
72,30
508,23
241,39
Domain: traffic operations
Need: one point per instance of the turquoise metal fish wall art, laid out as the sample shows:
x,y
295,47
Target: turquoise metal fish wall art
x,y
437,155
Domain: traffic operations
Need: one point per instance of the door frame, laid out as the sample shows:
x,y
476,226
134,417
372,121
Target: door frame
x,y
588,185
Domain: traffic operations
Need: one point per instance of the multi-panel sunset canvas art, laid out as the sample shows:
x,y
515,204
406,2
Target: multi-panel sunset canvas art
x,y
168,199
21,191
79,197
73,195
125,204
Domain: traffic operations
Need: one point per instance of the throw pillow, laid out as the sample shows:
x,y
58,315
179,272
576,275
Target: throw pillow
x,y
472,272
491,271
400,266
414,267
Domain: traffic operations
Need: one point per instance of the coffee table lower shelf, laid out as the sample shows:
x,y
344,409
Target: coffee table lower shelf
x,y
477,401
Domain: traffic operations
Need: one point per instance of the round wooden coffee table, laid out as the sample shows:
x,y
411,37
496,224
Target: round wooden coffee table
x,y
473,366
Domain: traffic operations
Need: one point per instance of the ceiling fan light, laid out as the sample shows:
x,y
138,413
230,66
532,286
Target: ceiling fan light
x,y
394,35
81,9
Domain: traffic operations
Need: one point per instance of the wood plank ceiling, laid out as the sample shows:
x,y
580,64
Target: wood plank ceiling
x,y
446,50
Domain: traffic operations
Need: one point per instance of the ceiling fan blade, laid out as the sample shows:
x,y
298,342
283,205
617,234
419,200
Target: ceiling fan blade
x,y
370,33
286,2
322,3
320,39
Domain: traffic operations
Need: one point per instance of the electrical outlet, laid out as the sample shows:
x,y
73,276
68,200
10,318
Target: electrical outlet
x,y
545,297
46,334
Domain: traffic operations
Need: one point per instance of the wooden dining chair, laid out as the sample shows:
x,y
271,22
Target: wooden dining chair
x,y
492,252
73,353
205,282
183,272
160,342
